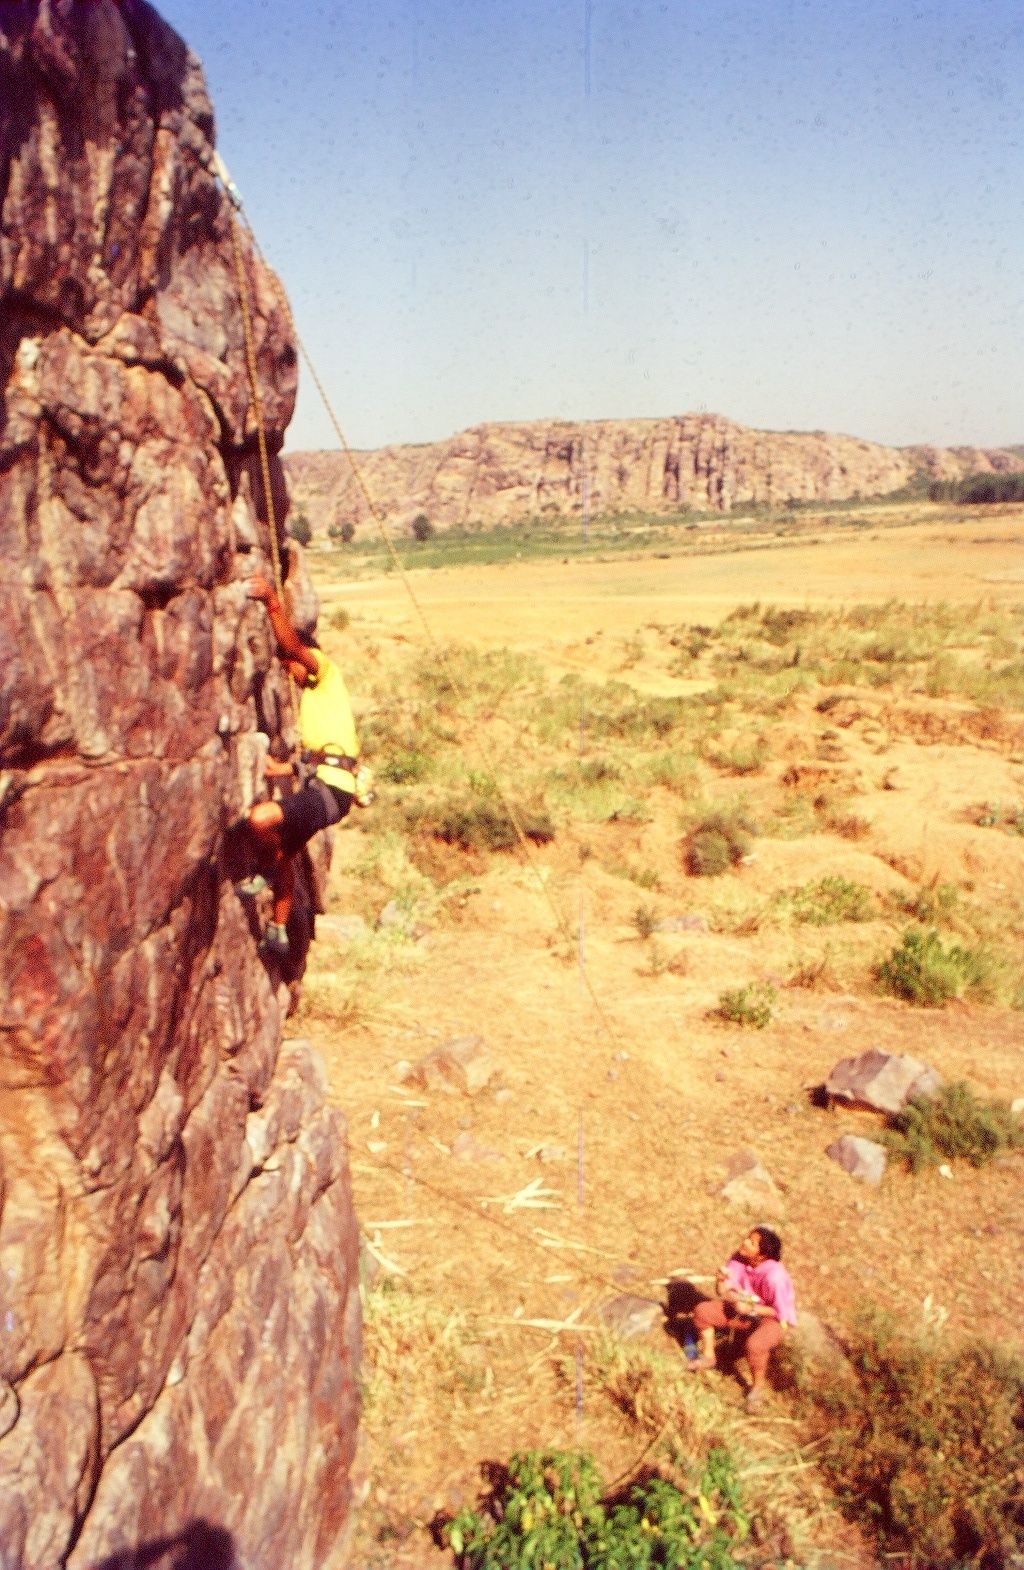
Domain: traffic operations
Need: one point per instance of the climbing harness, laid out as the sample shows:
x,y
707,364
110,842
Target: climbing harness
x,y
364,793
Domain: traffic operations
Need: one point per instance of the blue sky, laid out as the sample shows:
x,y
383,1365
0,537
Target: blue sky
x,y
798,214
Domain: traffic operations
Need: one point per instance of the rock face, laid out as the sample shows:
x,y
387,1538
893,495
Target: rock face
x,y
179,1321
500,473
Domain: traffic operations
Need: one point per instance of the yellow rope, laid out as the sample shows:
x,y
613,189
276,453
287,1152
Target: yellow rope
x,y
261,438
257,402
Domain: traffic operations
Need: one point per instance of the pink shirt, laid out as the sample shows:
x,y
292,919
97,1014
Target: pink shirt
x,y
770,1281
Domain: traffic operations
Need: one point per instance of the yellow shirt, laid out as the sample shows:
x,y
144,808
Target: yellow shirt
x,y
325,720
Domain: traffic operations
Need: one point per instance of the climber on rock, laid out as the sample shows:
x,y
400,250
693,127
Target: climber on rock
x,y
328,738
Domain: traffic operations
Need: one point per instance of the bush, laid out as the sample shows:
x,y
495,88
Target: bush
x,y
750,1007
924,1444
830,900
980,488
924,971
422,528
405,766
486,825
952,1126
300,528
717,843
547,1511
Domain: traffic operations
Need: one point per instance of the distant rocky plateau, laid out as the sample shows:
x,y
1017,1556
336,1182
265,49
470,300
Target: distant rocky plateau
x,y
505,473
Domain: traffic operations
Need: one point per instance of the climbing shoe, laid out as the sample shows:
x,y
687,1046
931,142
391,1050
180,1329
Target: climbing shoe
x,y
250,887
275,941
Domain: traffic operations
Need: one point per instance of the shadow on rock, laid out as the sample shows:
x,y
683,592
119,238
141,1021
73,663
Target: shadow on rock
x,y
199,1546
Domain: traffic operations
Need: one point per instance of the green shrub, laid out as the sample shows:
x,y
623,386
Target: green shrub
x,y
547,1511
750,1007
979,489
404,767
486,825
952,1126
300,529
923,1443
933,901
924,971
830,900
339,618
745,756
716,843
645,921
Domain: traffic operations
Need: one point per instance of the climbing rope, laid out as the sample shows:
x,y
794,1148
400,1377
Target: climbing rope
x,y
249,341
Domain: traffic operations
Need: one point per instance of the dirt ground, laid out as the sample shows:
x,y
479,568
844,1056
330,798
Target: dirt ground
x,y
618,1097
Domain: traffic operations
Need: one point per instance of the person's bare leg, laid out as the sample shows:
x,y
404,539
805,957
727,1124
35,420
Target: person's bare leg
x,y
283,884
766,1335
265,822
707,1317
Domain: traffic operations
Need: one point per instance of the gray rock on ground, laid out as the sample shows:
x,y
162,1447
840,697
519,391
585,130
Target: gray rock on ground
x,y
749,1185
883,1081
630,1315
861,1158
462,1064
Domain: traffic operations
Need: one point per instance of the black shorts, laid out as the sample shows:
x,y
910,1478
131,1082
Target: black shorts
x,y
316,806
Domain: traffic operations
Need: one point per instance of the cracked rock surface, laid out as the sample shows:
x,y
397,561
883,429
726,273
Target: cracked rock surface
x,y
179,1321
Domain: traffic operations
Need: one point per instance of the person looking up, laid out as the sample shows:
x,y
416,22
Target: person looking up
x,y
755,1298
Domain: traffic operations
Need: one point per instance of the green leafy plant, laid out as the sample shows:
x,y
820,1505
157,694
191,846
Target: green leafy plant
x,y
751,1007
547,1510
926,971
954,1125
405,766
645,922
717,842
832,899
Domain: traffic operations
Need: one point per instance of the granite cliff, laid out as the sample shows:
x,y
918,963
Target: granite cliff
x,y
179,1315
500,473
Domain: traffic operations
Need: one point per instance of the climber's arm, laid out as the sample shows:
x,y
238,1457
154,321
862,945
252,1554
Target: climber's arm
x,y
289,643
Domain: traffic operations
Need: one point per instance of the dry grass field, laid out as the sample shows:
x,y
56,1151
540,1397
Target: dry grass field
x,y
853,710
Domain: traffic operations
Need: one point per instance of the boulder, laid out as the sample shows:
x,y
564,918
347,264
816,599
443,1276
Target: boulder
x,y
462,1064
751,1186
862,1158
817,1342
178,1268
629,1315
883,1081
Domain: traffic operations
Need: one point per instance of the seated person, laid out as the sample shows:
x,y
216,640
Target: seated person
x,y
755,1298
